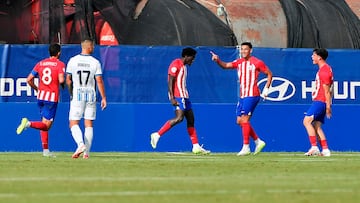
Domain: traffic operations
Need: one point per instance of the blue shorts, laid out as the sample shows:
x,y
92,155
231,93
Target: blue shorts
x,y
184,104
317,110
246,106
47,109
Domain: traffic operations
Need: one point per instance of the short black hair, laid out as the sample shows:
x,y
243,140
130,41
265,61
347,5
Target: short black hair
x,y
323,53
54,49
188,51
247,44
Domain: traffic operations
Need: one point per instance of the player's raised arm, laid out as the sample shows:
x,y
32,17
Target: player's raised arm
x,y
222,64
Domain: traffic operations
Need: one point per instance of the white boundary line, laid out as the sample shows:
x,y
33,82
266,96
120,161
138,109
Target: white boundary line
x,y
172,192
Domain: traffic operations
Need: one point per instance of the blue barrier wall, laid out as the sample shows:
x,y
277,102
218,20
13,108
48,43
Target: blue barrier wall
x,y
135,78
127,127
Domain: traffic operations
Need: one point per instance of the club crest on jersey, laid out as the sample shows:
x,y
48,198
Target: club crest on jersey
x,y
173,69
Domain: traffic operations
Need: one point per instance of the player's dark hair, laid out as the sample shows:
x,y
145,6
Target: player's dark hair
x,y
247,44
188,51
323,53
54,49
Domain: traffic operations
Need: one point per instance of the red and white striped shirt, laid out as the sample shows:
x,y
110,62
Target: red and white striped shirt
x,y
48,71
323,77
178,70
248,73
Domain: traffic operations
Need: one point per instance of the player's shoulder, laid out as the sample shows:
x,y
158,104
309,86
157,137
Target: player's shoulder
x,y
326,69
256,60
71,59
61,63
176,62
327,66
91,59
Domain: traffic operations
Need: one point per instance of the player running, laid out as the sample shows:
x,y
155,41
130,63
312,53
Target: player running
x,y
50,72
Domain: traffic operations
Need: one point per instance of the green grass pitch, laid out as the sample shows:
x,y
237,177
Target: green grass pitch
x,y
179,177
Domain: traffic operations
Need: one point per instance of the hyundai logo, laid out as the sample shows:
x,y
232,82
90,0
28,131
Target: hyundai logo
x,y
281,89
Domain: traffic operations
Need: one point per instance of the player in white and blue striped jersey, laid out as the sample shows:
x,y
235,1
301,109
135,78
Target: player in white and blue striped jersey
x,y
83,71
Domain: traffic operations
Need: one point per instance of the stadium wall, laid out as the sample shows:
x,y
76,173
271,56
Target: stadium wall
x,y
135,78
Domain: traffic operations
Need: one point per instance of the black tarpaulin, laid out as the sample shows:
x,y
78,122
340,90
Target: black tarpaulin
x,y
321,23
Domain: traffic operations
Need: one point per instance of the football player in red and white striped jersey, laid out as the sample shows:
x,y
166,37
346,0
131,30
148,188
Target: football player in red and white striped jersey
x,y
321,105
179,98
50,72
248,68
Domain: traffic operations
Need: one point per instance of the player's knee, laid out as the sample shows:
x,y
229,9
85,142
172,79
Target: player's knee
x,y
178,120
306,121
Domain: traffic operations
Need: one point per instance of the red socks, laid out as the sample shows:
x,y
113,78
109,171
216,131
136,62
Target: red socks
x,y
38,125
313,140
324,144
193,136
191,130
246,131
166,127
44,139
252,133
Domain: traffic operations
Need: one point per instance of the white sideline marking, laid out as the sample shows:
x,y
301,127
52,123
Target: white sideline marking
x,y
124,193
139,178
111,179
170,192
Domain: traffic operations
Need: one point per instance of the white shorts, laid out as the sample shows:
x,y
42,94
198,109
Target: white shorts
x,y
81,109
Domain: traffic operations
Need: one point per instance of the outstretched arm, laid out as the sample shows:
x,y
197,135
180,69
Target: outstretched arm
x,y
222,64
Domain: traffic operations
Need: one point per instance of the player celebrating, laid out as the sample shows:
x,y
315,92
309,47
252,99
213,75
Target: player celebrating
x,y
321,105
248,69
83,70
179,98
50,72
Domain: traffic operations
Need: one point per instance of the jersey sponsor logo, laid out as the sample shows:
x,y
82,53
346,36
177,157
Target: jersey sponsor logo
x,y
281,89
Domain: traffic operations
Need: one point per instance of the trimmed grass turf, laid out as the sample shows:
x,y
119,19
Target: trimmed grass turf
x,y
179,177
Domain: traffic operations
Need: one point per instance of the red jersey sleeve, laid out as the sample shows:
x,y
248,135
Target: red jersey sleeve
x,y
174,67
261,65
325,75
236,62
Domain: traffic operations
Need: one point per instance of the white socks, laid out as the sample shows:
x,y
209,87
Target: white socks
x,y
77,134
88,137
